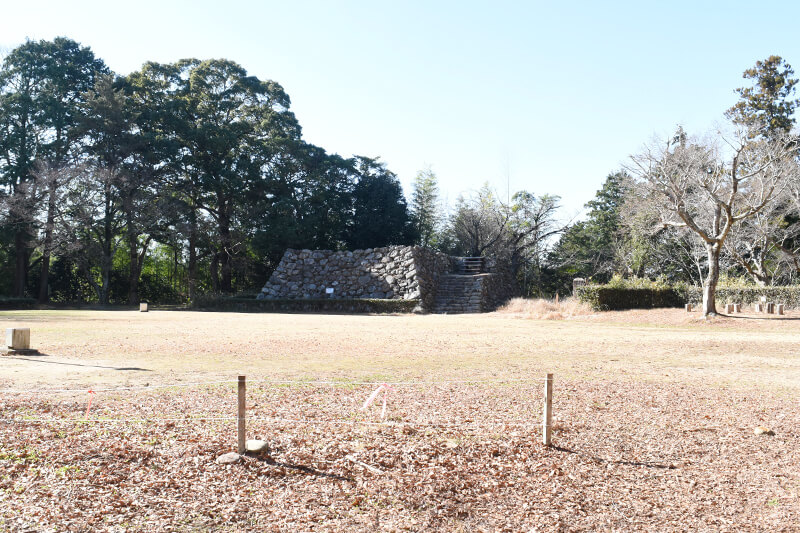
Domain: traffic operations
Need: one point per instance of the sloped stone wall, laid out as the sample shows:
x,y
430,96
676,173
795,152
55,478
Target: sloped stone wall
x,y
393,272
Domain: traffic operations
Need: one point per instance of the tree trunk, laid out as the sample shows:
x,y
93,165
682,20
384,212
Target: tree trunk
x,y
226,247
133,272
191,273
215,272
22,256
44,278
710,287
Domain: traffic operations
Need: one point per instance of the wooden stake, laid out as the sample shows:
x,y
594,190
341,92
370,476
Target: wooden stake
x,y
547,419
240,419
780,309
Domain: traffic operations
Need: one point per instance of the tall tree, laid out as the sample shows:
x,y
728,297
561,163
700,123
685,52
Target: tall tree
x,y
380,216
42,84
426,208
591,248
696,186
230,123
767,107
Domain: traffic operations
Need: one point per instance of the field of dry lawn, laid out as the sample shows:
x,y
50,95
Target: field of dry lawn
x,y
655,416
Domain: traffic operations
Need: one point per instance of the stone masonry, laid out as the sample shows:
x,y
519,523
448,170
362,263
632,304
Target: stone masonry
x,y
393,272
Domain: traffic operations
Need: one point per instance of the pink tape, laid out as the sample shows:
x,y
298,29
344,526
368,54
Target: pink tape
x,y
91,393
383,387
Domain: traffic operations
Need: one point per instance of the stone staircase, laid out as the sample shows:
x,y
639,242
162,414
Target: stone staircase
x,y
459,293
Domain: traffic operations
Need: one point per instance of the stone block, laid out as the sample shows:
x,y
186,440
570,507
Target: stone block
x,y
18,338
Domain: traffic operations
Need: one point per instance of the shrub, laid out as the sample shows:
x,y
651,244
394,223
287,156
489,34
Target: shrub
x,y
17,303
644,294
606,298
218,303
751,294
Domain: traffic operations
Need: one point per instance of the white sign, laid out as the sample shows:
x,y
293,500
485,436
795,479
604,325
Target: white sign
x,y
329,290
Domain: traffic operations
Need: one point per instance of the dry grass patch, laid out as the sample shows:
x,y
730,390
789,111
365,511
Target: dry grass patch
x,y
543,309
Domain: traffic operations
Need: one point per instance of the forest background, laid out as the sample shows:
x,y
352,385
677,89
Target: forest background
x,y
193,177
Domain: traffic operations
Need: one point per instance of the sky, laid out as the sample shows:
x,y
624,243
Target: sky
x,y
549,97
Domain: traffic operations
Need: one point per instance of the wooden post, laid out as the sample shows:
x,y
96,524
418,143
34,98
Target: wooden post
x,y
729,308
737,308
240,419
547,419
759,308
688,308
780,309
143,307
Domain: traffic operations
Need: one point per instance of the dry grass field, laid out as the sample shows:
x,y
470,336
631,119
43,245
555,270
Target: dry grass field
x,y
655,416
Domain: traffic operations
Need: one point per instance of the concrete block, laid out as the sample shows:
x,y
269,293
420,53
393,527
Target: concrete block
x,y
18,338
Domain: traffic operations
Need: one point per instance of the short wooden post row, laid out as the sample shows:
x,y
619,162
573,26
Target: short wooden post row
x,y
241,413
547,419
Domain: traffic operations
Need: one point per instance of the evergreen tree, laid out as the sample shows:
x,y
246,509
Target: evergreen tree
x,y
426,208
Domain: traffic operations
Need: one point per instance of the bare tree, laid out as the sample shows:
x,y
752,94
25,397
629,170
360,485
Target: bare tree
x,y
518,233
709,187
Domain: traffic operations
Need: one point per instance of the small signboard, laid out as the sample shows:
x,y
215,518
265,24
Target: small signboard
x,y
329,290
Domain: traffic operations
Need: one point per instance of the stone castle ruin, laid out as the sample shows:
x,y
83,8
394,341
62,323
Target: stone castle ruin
x,y
441,283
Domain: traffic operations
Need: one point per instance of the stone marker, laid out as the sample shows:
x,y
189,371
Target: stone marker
x,y
143,307
779,309
18,342
228,458
18,338
577,282
256,445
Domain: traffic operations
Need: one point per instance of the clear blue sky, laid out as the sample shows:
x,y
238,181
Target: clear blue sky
x,y
549,96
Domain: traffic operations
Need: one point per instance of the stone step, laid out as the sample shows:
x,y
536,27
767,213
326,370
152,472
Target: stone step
x,y
458,293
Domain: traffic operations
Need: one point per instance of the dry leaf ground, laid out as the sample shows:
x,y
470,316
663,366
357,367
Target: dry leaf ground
x,y
655,412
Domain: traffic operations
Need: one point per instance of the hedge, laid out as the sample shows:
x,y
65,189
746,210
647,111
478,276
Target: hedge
x,y
310,305
788,295
605,298
17,303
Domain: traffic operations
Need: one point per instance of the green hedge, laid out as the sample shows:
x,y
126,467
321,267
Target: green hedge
x,y
605,298
17,303
609,298
251,305
788,295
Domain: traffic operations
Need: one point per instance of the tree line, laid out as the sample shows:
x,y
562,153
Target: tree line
x,y
685,210
173,180
193,177
696,209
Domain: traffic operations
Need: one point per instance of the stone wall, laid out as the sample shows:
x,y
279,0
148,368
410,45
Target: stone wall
x,y
430,266
393,272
